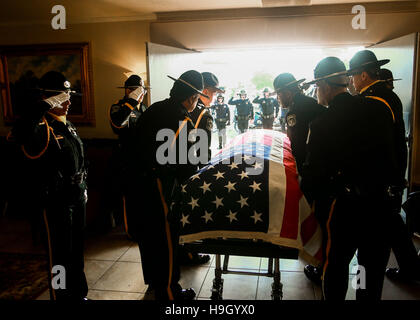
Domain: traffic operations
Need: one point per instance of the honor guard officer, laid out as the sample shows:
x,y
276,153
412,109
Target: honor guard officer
x,y
201,115
269,108
222,113
302,110
387,76
244,109
53,146
159,235
203,119
351,166
365,75
124,116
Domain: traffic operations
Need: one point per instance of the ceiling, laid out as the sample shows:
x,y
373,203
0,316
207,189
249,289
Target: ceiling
x,y
82,11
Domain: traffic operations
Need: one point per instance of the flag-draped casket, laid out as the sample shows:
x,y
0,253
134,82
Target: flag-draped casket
x,y
250,190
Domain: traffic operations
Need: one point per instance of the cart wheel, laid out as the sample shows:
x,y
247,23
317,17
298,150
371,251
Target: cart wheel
x,y
217,290
277,291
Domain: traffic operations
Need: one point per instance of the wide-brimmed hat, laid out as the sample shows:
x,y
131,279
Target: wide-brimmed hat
x,y
55,82
330,68
285,81
133,81
364,59
242,92
211,81
192,79
386,75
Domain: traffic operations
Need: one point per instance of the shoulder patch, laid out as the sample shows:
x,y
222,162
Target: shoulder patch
x,y
291,120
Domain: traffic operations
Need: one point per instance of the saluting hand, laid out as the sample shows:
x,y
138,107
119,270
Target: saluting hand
x,y
137,94
57,100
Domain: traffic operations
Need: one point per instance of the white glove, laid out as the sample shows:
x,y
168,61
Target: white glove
x,y
56,101
136,94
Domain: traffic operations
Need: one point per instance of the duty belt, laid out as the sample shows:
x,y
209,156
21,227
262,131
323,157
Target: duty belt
x,y
221,120
268,117
243,117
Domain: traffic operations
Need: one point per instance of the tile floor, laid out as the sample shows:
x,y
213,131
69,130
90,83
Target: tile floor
x,y
113,270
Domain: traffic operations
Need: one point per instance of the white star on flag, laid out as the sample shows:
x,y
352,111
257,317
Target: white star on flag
x,y
183,186
232,216
230,186
219,175
233,165
207,216
243,174
196,176
218,202
247,157
255,186
193,203
205,187
184,220
258,165
256,217
243,201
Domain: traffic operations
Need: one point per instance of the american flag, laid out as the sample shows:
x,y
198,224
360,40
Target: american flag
x,y
250,190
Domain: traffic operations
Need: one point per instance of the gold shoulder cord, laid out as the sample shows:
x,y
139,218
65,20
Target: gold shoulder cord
x,y
386,103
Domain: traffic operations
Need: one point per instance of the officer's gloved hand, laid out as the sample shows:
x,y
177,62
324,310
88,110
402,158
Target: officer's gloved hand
x,y
137,94
57,100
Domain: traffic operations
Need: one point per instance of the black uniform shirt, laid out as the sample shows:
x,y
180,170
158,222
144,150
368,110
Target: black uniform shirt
x,y
222,113
303,110
166,114
269,106
53,147
379,89
244,108
124,116
352,139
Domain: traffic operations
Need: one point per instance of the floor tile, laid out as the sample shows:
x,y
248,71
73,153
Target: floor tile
x,y
132,254
94,269
122,276
241,287
193,277
113,295
238,262
295,287
400,291
109,248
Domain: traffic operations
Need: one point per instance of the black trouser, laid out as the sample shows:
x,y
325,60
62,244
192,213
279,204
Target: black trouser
x,y
221,128
268,123
155,238
65,244
242,125
362,224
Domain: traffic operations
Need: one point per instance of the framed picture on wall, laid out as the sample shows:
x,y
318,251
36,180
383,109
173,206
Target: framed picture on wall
x,y
21,67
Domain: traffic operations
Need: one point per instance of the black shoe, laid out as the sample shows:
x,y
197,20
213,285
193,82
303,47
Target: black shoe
x,y
185,295
395,274
313,273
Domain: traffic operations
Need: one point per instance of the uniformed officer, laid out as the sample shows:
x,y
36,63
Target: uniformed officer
x,y
387,76
302,110
222,113
201,115
269,108
245,110
365,75
124,116
163,130
353,167
52,145
203,120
